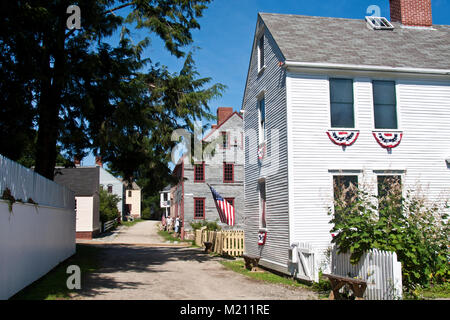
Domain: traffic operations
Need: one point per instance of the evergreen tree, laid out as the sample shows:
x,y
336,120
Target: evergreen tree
x,y
81,93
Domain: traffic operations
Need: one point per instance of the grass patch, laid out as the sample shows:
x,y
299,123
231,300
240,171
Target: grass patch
x,y
322,288
238,266
169,237
131,223
52,286
436,292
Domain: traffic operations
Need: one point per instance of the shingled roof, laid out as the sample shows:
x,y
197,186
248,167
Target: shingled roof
x,y
349,41
83,181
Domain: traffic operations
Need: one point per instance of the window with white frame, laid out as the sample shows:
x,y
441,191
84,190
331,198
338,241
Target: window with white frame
x,y
262,204
262,119
261,53
344,190
389,194
341,103
385,104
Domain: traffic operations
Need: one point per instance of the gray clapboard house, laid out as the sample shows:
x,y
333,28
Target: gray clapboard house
x,y
191,198
334,100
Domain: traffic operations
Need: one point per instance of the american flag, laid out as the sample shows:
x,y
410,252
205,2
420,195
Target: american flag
x,y
225,209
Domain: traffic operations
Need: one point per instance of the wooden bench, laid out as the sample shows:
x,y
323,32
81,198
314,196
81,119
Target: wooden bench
x,y
337,282
251,262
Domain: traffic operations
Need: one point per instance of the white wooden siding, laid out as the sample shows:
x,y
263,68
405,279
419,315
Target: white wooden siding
x,y
423,109
271,83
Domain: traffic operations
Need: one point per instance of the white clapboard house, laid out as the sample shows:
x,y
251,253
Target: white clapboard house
x,y
330,100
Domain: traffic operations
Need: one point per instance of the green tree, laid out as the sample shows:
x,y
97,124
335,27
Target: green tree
x,y
81,93
108,206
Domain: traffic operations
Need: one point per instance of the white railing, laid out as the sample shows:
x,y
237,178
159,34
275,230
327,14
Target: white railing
x,y
380,269
108,225
26,184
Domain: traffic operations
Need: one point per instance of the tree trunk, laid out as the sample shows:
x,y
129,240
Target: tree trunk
x,y
50,103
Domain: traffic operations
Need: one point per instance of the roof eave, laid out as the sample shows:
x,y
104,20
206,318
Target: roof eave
x,y
368,68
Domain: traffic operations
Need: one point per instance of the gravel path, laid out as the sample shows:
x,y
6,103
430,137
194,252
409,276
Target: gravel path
x,y
141,232
148,272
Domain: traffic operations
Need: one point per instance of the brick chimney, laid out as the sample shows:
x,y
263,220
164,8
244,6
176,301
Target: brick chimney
x,y
98,161
223,113
415,13
76,161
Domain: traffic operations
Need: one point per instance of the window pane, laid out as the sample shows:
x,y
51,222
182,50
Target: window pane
x,y
385,104
341,97
199,207
261,52
345,187
199,172
385,116
342,115
228,174
224,140
262,204
384,92
262,120
341,90
389,194
262,110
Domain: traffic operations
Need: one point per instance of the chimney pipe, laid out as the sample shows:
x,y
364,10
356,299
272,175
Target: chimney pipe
x,y
98,161
223,113
415,13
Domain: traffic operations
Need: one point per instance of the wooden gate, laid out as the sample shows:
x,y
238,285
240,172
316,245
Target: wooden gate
x,y
302,255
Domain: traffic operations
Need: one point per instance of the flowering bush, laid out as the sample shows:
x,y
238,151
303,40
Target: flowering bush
x,y
410,225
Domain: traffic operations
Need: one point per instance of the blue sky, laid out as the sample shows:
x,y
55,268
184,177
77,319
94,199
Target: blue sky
x,y
226,36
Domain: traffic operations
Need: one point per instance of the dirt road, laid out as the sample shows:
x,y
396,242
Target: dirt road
x,y
150,272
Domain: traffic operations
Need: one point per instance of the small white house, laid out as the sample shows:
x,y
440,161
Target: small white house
x,y
84,182
164,202
331,100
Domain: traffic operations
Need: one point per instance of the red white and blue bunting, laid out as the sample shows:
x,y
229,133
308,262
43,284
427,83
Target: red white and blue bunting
x,y
388,140
343,138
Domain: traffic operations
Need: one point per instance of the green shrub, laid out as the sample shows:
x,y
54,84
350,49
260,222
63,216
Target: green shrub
x,y
410,225
146,213
210,225
108,206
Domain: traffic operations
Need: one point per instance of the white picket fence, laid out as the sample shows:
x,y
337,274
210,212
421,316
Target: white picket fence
x,y
380,269
26,184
